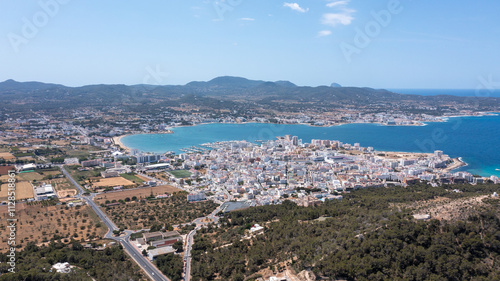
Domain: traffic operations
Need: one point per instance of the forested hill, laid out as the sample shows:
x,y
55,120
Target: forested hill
x,y
369,235
35,263
235,90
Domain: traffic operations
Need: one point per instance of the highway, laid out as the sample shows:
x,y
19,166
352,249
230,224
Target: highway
x,y
142,261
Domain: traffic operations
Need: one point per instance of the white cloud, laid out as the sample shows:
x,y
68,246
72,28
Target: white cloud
x,y
338,3
247,19
334,19
343,15
323,33
295,7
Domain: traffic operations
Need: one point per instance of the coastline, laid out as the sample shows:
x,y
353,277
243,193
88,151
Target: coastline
x,y
169,130
457,163
118,141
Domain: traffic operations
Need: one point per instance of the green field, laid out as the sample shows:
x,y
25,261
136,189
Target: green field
x,y
132,178
180,173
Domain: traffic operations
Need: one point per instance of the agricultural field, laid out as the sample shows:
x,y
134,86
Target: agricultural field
x,y
26,158
40,223
4,178
84,177
143,213
160,175
31,176
139,193
112,182
61,184
81,152
91,172
142,178
7,156
133,178
24,190
180,173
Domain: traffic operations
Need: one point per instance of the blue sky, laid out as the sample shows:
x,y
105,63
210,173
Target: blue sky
x,y
414,44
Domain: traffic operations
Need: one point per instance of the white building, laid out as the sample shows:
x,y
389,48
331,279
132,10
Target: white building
x,y
44,192
62,267
147,158
196,197
153,253
256,228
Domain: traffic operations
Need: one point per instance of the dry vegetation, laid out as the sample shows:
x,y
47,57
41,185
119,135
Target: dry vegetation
x,y
140,193
39,223
113,182
443,208
24,190
7,156
142,178
33,176
61,184
138,214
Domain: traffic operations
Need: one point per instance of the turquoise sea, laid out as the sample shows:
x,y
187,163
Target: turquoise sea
x,y
475,139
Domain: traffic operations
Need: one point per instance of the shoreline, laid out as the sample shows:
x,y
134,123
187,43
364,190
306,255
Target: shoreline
x,y
458,162
169,130
118,141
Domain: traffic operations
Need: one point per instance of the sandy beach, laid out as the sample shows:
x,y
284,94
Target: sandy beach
x,y
118,141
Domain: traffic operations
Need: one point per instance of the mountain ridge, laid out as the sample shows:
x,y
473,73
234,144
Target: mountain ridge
x,y
224,92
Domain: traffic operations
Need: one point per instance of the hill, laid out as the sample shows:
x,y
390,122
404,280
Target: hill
x,y
369,235
227,93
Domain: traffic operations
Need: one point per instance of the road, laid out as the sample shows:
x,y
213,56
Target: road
x,y
190,240
142,261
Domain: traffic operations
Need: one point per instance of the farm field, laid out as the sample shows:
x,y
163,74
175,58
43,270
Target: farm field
x,y
7,156
41,223
81,151
24,190
133,178
83,176
112,182
138,192
51,173
30,176
61,184
142,178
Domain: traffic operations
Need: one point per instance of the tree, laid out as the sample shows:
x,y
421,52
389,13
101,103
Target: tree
x,y
178,246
